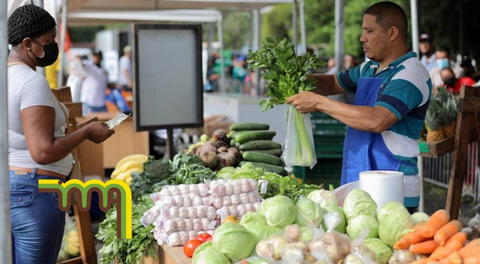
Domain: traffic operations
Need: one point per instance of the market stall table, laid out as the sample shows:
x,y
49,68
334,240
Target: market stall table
x,y
172,255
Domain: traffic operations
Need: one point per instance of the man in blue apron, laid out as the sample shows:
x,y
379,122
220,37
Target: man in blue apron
x,y
392,92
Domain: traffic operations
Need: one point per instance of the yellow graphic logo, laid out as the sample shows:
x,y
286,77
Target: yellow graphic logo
x,y
111,193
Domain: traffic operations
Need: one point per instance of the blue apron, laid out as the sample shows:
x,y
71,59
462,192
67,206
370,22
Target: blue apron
x,y
364,151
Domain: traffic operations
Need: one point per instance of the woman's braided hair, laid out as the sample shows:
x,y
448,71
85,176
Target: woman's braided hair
x,y
28,21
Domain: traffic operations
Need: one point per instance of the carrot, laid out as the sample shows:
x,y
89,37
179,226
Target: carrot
x,y
448,230
472,247
426,247
412,237
456,242
453,258
420,261
474,259
434,223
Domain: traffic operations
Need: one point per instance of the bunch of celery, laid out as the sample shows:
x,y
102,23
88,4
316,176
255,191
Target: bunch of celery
x,y
285,75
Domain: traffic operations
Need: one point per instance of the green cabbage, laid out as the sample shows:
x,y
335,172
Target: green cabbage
x,y
394,221
381,250
326,199
279,211
359,202
247,171
419,217
309,212
359,223
257,225
207,254
234,241
226,173
308,233
341,227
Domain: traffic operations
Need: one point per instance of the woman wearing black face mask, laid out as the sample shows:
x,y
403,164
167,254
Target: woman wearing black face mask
x,y
38,145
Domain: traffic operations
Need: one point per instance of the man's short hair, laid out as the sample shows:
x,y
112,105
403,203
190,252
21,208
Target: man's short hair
x,y
388,14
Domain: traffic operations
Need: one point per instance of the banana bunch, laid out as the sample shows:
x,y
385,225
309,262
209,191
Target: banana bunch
x,y
125,167
72,243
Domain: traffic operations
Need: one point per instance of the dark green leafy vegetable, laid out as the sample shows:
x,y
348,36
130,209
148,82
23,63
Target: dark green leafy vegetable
x,y
127,251
285,73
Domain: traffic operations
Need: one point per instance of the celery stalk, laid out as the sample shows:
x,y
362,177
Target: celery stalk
x,y
303,150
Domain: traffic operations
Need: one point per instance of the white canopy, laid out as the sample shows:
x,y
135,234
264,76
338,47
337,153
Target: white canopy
x,y
183,15
129,5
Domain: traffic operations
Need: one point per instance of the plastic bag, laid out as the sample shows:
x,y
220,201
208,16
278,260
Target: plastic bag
x,y
299,147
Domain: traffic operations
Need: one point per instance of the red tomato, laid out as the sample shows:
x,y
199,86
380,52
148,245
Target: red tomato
x,y
190,246
203,237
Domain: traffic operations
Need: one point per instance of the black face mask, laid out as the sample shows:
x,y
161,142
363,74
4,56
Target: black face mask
x,y
50,56
450,82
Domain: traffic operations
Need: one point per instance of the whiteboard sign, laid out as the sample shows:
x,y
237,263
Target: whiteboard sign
x,y
168,87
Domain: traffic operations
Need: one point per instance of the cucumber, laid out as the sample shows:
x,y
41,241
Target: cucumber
x,y
260,145
268,167
246,136
262,158
232,142
249,126
275,152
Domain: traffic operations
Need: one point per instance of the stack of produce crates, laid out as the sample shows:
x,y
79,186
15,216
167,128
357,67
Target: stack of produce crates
x,y
328,135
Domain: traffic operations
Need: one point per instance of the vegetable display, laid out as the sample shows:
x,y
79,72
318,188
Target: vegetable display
x,y
285,75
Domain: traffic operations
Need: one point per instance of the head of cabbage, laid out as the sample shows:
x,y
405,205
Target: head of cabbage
x,y
234,241
308,212
247,171
226,173
394,221
341,224
257,225
419,217
382,251
359,202
207,254
326,199
359,223
279,211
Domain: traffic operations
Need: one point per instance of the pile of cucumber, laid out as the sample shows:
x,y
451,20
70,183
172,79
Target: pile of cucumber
x,y
255,143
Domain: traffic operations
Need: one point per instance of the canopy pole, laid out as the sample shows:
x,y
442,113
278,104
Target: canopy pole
x,y
5,239
222,59
295,23
339,26
414,14
256,44
63,32
303,33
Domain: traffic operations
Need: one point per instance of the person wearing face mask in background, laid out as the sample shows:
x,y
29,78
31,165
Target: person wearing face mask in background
x,y
38,145
453,84
442,60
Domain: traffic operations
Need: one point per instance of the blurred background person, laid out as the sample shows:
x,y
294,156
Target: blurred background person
x,y
93,86
125,80
76,74
442,61
427,49
452,83
349,61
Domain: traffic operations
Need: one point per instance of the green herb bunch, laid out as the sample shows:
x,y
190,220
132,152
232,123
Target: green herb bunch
x,y
127,251
285,73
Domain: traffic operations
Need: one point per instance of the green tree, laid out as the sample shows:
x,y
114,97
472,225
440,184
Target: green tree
x,y
236,30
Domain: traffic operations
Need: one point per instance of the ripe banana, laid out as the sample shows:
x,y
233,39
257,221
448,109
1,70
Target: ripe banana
x,y
139,157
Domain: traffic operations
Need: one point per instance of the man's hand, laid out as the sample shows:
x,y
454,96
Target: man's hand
x,y
307,102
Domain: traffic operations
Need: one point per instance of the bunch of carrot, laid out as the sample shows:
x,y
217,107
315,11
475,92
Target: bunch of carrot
x,y
442,240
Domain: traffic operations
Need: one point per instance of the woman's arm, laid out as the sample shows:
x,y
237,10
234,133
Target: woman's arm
x,y
39,125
